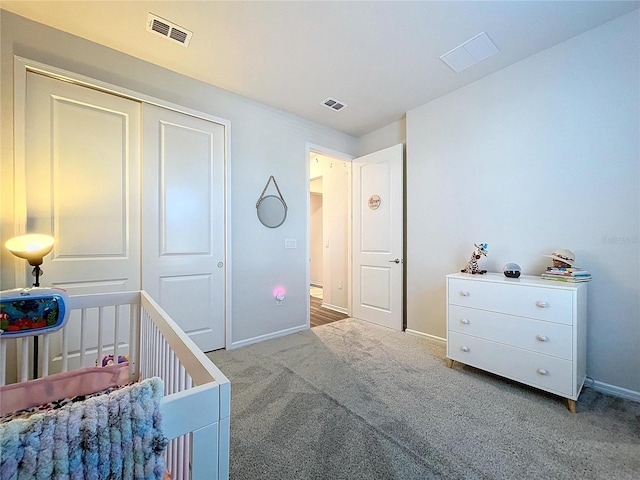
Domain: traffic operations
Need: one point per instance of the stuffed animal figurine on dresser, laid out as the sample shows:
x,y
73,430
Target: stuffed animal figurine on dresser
x,y
472,265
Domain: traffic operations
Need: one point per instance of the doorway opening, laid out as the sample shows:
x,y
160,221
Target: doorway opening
x,y
329,236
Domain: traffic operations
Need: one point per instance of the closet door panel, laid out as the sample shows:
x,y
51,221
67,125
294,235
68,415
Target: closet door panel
x,y
185,190
82,184
183,249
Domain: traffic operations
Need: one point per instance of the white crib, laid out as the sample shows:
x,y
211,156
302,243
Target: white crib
x,y
196,403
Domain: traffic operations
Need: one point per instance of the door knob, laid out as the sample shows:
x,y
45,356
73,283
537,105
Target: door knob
x,y
397,260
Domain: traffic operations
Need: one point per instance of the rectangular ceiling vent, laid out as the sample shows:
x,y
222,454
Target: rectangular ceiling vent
x,y
334,104
160,26
470,52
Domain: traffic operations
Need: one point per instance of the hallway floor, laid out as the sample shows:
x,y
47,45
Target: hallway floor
x,y
319,314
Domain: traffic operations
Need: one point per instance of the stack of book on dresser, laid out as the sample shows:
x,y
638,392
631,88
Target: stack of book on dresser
x,y
567,274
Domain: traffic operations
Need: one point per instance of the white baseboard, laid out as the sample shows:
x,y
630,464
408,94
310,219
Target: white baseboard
x,y
613,390
335,308
426,335
268,336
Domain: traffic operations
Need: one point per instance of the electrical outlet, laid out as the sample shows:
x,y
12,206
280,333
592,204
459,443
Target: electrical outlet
x,y
290,243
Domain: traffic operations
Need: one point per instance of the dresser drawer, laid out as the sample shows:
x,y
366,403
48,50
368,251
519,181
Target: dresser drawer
x,y
536,335
550,304
535,369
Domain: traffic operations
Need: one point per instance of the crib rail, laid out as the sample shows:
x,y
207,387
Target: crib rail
x,y
186,369
196,402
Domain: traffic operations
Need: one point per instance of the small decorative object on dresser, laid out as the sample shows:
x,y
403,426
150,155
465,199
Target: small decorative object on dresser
x,y
532,331
472,264
564,268
563,258
511,270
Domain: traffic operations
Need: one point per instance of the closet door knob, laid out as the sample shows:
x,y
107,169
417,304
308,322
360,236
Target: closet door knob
x,y
542,371
464,321
465,349
542,338
542,304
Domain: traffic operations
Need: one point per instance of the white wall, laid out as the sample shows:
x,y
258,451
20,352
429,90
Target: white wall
x,y
382,138
264,141
336,181
544,154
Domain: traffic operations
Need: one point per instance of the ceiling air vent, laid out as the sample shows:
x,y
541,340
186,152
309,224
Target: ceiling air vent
x,y
470,52
333,104
169,30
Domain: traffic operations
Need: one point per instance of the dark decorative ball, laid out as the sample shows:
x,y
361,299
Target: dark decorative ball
x,y
511,270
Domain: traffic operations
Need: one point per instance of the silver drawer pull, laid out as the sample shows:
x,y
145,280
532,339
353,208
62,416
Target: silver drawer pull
x,y
542,338
464,321
465,349
542,371
464,293
542,304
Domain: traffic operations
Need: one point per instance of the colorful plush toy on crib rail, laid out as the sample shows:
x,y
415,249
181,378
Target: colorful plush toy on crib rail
x,y
32,311
472,265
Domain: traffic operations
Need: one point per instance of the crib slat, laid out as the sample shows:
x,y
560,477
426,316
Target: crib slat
x,y
181,465
65,349
116,333
44,364
83,321
24,363
3,363
100,331
134,347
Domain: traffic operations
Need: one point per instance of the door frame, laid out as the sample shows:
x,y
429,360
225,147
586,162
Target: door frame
x,y
309,148
22,66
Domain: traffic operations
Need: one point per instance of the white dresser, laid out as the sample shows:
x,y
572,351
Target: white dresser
x,y
527,329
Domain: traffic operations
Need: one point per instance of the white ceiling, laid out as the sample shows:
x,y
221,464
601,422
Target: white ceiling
x,y
382,58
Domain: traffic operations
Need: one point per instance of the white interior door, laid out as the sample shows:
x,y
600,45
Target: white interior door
x,y
183,251
82,164
378,237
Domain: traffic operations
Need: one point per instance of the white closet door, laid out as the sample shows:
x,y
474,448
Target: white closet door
x,y
82,172
82,185
183,250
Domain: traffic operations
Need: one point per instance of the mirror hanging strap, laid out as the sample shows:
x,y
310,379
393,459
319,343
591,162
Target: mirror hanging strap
x,y
277,188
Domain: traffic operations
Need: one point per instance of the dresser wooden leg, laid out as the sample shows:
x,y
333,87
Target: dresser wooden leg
x,y
572,405
449,363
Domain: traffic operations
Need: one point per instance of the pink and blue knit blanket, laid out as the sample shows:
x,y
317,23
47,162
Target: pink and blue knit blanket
x,y
111,436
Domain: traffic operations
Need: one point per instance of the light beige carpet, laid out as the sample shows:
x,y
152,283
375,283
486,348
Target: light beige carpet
x,y
351,400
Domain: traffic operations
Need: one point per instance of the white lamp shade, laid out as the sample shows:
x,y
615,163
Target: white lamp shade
x,y
32,247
